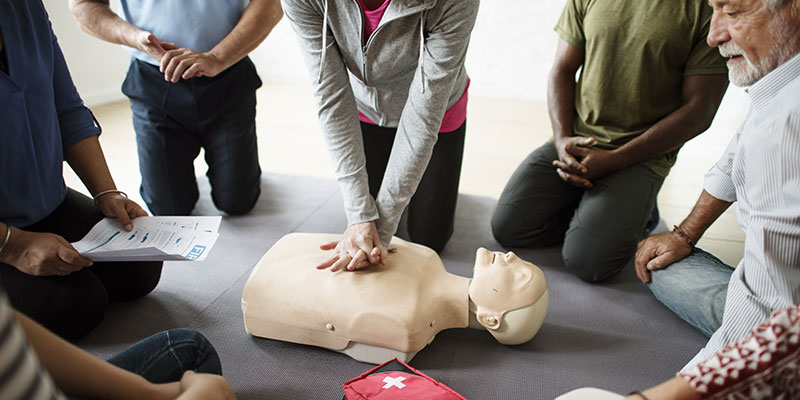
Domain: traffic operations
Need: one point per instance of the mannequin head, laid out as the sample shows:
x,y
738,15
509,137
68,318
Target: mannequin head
x,y
510,296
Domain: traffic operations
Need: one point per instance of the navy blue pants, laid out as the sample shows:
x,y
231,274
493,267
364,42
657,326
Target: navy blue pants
x,y
173,121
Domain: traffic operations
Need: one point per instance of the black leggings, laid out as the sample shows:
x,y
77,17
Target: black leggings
x,y
72,305
431,211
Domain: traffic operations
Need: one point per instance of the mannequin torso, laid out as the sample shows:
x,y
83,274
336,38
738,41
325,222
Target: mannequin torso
x,y
399,307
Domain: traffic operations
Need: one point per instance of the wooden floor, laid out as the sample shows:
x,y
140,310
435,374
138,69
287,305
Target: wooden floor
x,y
500,133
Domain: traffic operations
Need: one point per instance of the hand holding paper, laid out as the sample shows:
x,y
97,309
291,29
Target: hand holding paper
x,y
152,239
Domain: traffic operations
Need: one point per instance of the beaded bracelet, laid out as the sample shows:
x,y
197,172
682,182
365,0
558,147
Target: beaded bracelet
x,y
684,235
104,192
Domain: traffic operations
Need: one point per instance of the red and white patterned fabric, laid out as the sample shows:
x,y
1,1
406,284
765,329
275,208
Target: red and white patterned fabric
x,y
765,364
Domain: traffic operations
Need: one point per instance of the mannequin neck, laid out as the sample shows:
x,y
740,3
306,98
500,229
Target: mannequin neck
x,y
454,298
473,317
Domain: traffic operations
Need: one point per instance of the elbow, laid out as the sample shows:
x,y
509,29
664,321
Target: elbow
x,y
706,117
78,10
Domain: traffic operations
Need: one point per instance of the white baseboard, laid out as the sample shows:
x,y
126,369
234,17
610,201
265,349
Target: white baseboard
x,y
98,98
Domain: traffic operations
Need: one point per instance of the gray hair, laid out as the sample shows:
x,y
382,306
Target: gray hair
x,y
775,5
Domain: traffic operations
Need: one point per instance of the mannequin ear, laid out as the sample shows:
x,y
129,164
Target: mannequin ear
x,y
522,276
489,321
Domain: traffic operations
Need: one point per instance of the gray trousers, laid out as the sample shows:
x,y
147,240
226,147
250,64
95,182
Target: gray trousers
x,y
599,227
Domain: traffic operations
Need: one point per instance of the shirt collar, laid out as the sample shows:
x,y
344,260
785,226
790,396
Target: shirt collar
x,y
766,88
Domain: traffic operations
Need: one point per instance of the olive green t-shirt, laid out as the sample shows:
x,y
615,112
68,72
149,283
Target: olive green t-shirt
x,y
636,55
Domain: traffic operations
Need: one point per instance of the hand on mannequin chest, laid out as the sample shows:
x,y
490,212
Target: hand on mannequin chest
x,y
395,310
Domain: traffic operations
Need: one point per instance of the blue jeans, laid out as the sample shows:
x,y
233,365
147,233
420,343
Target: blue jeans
x,y
165,356
694,288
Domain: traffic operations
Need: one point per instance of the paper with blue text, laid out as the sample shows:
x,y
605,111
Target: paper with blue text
x,y
152,239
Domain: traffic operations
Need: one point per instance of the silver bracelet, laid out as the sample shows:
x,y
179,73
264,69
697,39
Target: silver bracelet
x,y
8,236
104,192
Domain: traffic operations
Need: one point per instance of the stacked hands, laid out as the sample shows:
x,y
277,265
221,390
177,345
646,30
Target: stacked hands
x,y
659,251
360,247
579,163
178,62
47,254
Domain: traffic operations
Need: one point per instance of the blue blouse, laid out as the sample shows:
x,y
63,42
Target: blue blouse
x,y
41,115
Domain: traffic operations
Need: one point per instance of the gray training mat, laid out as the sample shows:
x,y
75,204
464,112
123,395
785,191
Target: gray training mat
x,y
613,335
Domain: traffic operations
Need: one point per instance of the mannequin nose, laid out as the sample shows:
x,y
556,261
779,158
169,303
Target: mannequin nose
x,y
510,256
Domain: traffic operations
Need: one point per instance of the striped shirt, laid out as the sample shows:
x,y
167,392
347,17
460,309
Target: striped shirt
x,y
760,171
21,376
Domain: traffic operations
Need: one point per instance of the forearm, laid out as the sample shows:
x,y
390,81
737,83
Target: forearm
x,y
701,96
561,101
707,209
82,375
87,160
96,18
674,389
667,135
256,23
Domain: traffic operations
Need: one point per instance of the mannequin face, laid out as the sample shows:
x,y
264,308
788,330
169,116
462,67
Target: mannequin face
x,y
503,282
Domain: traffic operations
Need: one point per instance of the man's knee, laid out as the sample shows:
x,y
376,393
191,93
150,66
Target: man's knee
x,y
592,264
503,228
508,231
236,202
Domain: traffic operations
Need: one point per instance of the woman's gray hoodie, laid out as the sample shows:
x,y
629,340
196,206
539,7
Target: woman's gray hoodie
x,y
409,72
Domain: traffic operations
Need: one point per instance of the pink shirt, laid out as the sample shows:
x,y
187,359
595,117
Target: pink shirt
x,y
455,116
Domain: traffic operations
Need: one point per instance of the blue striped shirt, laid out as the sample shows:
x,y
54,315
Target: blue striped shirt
x,y
760,171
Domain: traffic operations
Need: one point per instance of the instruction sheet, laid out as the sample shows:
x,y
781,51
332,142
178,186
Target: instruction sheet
x,y
152,239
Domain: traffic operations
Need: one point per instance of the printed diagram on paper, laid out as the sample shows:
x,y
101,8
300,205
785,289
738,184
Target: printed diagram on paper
x,y
152,239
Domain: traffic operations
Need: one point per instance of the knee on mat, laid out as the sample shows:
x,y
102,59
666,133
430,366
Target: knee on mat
x,y
233,203
505,231
194,351
588,266
73,312
140,281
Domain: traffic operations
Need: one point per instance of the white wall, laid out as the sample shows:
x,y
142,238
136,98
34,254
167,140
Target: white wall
x,y
97,67
511,51
510,54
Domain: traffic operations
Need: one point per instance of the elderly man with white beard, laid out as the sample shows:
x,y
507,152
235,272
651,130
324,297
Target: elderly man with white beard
x,y
760,170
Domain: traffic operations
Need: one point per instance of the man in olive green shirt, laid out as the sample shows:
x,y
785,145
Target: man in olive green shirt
x,y
648,83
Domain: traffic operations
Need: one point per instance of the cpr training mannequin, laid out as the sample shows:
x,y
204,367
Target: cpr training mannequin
x,y
394,310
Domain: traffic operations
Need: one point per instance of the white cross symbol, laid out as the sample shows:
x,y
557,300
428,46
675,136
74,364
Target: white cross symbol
x,y
394,382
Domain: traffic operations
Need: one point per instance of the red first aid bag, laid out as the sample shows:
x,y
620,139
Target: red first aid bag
x,y
396,380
